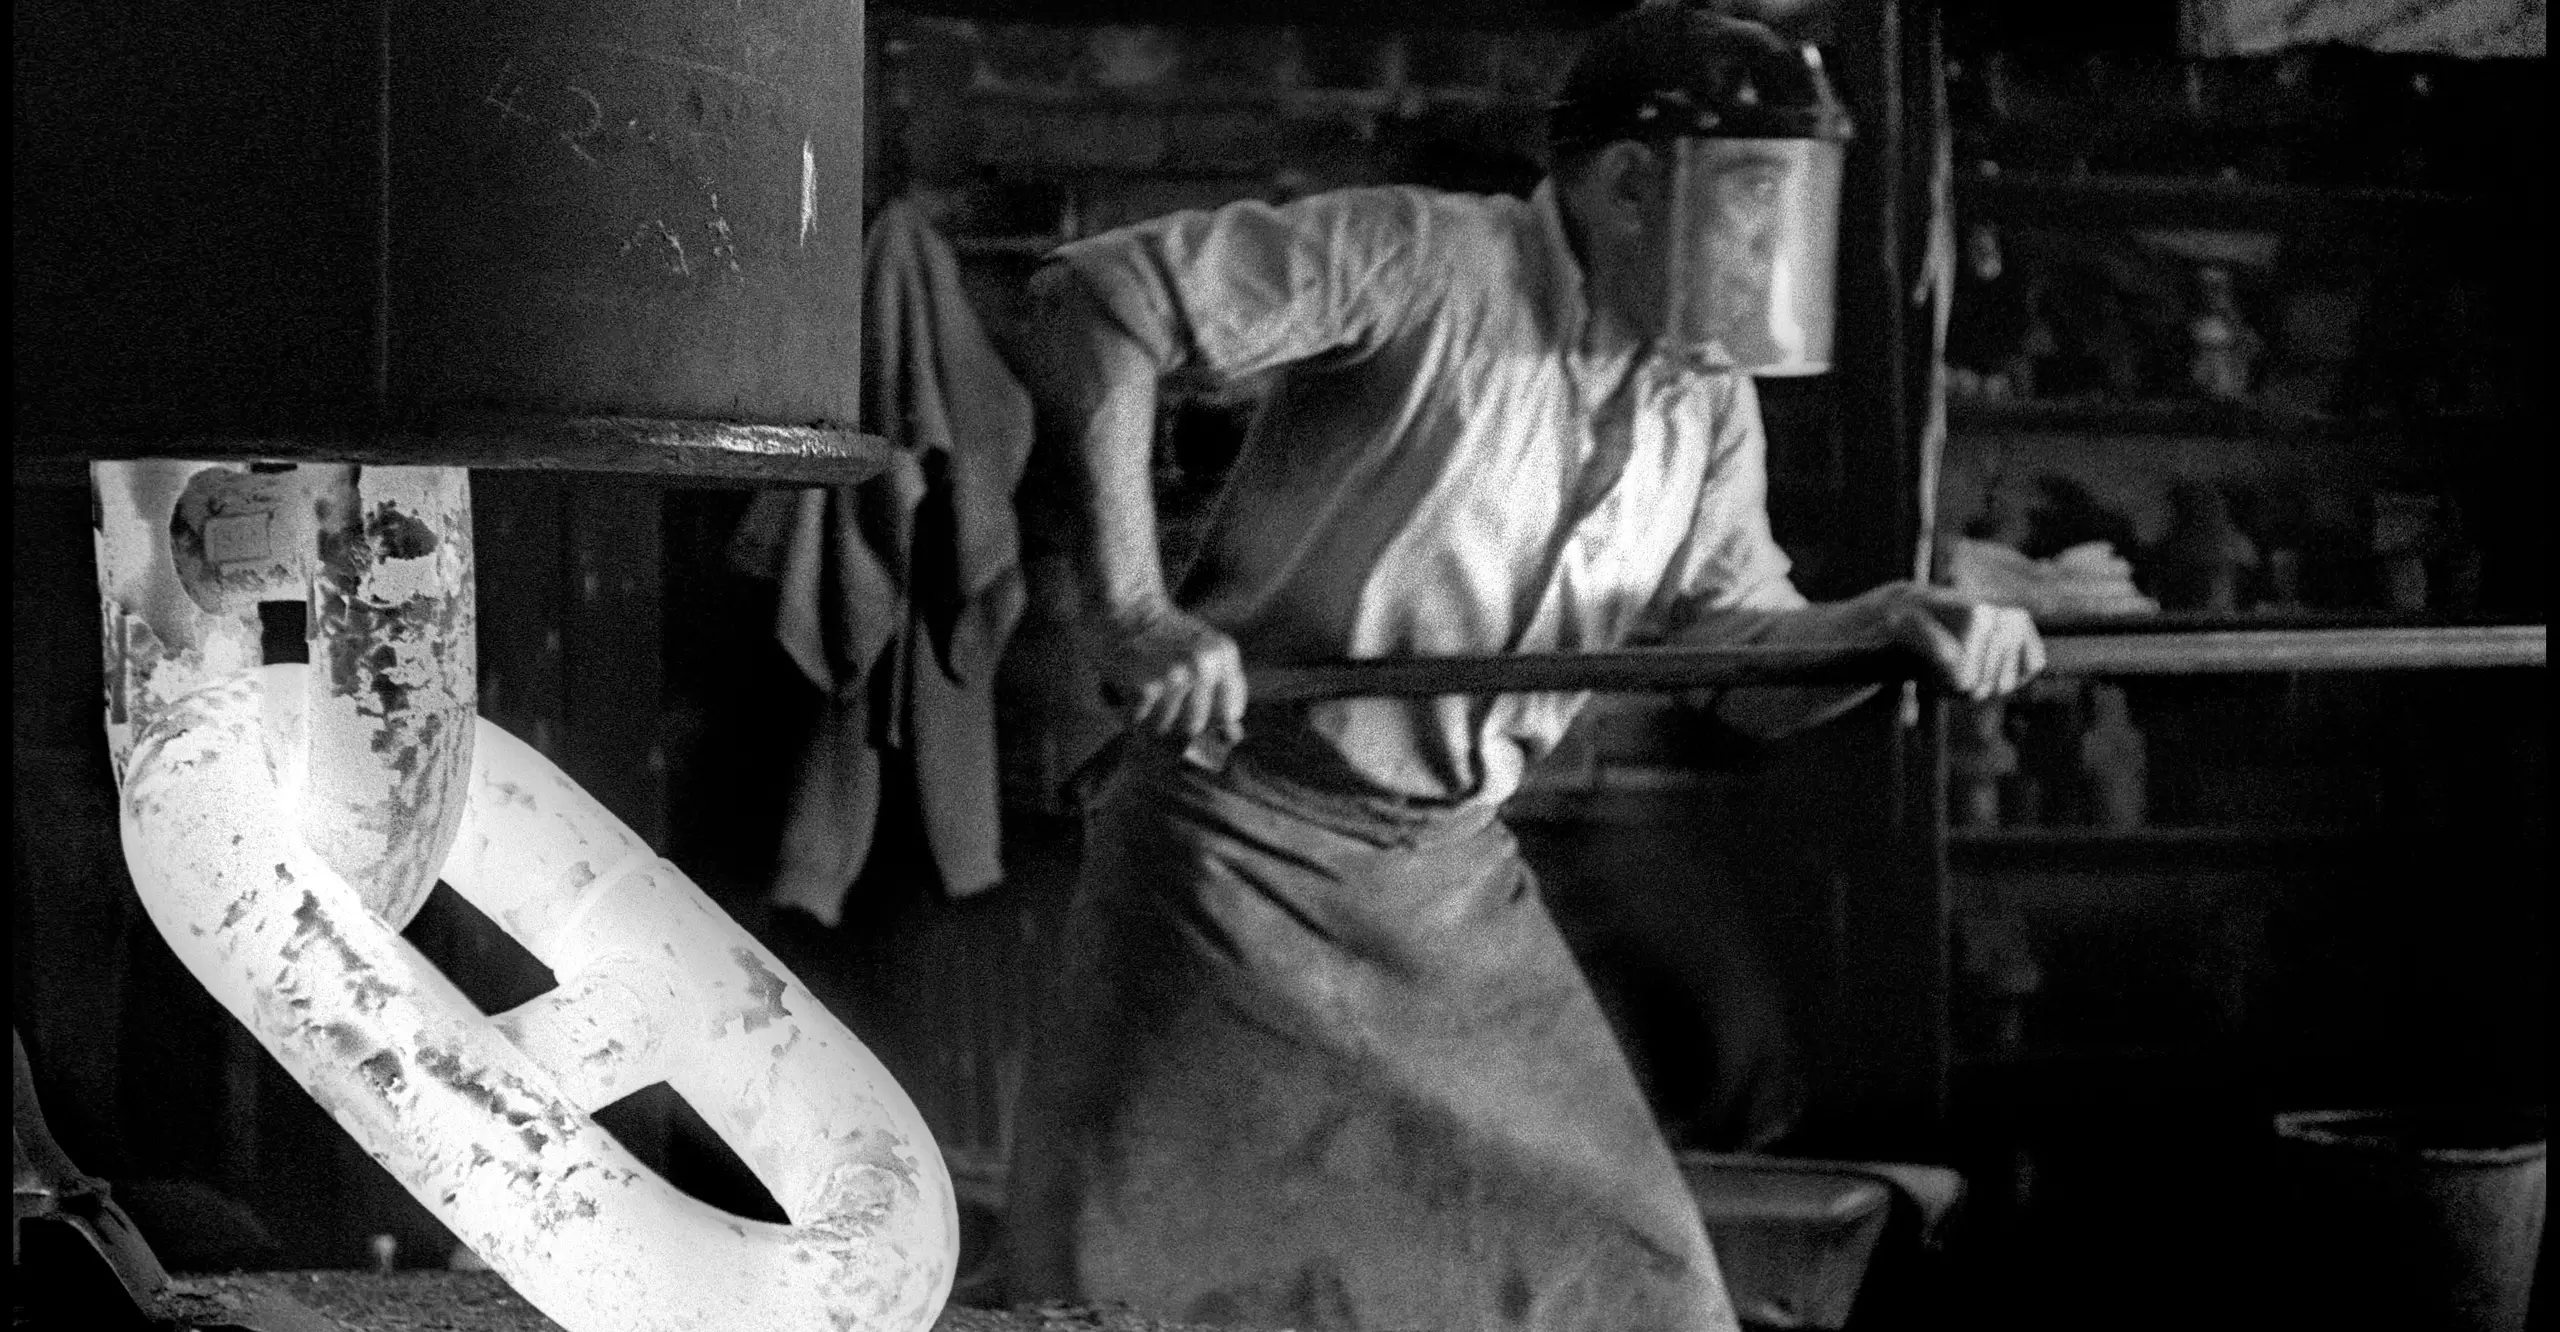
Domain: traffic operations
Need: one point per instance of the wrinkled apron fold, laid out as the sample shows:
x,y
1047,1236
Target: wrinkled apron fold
x,y
1321,1064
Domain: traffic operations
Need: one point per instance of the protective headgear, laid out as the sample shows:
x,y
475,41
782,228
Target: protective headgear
x,y
1755,140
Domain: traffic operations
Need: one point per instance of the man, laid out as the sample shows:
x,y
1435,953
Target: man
x,y
1316,1056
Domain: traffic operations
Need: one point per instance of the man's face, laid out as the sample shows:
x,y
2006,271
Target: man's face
x,y
1739,241
1724,216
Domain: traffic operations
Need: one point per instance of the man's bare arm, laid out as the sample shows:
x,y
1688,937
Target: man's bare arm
x,y
1095,385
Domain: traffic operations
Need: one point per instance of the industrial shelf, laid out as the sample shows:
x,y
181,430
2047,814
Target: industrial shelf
x,y
2113,202
2199,418
2242,846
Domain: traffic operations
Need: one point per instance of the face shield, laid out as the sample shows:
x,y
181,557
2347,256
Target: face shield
x,y
1752,141
1751,237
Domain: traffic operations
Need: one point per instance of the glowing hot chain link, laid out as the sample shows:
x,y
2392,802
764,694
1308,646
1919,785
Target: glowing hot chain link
x,y
808,1109
244,802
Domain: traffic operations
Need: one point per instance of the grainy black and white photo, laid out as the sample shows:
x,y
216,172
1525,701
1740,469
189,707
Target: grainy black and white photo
x,y
1287,666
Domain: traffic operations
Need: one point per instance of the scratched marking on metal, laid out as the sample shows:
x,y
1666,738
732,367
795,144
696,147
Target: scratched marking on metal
x,y
571,114
647,235
808,190
249,792
721,72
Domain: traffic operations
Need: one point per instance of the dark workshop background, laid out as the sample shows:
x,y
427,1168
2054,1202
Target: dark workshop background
x,y
2336,896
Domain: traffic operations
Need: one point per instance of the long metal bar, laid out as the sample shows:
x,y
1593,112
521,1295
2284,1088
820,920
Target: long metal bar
x,y
713,452
1642,670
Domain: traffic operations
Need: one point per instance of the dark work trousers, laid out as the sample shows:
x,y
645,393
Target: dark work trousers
x,y
1312,1062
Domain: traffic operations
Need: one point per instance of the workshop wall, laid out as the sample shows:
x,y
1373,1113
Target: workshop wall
x,y
1035,133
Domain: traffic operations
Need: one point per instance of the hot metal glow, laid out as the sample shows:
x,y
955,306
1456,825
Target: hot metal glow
x,y
251,792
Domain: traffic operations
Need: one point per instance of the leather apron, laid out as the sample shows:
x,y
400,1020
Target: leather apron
x,y
1326,1064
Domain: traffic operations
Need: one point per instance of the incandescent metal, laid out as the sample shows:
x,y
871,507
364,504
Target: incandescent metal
x,y
283,821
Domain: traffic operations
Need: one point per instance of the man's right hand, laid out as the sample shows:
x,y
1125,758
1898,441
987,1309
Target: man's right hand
x,y
1177,676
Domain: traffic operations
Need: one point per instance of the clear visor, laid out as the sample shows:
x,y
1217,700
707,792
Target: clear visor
x,y
1753,242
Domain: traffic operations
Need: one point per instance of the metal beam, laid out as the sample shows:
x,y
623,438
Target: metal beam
x,y
713,452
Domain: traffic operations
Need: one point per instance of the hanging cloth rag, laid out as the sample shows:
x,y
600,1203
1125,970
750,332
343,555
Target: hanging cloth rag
x,y
897,595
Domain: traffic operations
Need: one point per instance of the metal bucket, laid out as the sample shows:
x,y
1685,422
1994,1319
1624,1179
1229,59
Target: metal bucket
x,y
2415,1219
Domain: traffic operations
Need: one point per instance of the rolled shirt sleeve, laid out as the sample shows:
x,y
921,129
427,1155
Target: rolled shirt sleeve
x,y
1252,286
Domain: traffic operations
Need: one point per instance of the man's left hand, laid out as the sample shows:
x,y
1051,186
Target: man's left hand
x,y
1980,651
